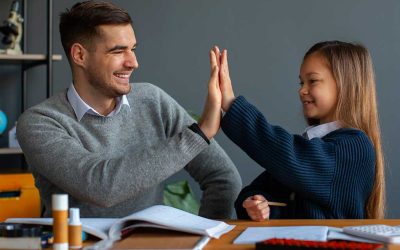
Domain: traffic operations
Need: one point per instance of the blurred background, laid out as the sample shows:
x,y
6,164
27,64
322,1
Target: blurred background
x,y
266,40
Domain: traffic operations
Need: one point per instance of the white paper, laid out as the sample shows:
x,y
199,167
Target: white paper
x,y
255,234
315,233
172,218
337,234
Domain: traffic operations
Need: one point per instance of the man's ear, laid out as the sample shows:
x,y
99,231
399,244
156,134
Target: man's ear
x,y
79,54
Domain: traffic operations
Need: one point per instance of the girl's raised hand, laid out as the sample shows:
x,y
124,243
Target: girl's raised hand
x,y
257,207
225,82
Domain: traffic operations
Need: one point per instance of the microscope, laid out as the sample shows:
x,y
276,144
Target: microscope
x,y
12,30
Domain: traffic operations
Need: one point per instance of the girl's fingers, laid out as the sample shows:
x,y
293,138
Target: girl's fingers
x,y
258,197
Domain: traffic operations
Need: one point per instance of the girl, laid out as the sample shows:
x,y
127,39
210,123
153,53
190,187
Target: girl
x,y
335,170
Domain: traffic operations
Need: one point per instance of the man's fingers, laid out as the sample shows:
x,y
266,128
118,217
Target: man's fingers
x,y
214,77
217,55
213,59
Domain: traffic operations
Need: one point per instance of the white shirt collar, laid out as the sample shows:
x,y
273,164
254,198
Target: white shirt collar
x,y
320,131
81,107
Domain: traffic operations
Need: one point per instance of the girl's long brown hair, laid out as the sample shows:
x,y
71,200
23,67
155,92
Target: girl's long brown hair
x,y
351,66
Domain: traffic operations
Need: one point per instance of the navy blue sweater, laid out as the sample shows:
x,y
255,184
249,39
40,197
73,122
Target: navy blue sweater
x,y
332,176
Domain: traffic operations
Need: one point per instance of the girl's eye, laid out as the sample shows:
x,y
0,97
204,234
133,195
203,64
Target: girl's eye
x,y
301,83
313,81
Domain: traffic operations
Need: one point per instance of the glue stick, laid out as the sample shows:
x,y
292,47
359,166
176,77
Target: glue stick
x,y
60,221
74,229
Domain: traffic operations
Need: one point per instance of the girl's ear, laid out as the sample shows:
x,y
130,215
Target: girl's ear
x,y
78,54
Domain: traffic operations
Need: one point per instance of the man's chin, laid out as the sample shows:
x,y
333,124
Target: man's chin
x,y
126,90
122,90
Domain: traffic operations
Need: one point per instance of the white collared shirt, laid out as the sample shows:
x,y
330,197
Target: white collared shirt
x,y
320,131
81,107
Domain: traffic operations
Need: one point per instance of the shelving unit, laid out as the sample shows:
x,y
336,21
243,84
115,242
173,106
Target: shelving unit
x,y
27,61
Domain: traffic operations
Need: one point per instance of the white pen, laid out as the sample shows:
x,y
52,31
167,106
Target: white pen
x,y
202,243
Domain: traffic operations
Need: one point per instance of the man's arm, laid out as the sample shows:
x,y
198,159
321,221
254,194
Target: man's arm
x,y
96,176
218,179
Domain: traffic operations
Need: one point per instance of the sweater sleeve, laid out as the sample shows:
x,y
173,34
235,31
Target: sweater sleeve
x,y
305,166
212,169
99,177
271,189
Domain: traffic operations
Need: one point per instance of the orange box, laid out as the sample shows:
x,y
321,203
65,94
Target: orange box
x,y
18,196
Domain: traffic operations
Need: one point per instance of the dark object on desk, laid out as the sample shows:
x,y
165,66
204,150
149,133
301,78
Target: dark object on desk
x,y
151,238
22,236
19,230
280,244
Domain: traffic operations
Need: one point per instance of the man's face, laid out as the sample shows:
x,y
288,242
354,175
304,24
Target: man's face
x,y
111,60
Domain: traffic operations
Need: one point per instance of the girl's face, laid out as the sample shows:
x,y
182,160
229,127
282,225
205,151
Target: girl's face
x,y
318,91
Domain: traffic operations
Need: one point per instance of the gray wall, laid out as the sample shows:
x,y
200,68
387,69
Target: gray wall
x,y
266,41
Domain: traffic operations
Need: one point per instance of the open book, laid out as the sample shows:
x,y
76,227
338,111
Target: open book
x,y
158,216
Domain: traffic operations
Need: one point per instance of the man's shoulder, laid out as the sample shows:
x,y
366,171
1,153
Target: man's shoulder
x,y
57,103
147,91
143,87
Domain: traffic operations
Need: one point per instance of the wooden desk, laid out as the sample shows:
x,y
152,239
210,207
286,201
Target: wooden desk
x,y
225,242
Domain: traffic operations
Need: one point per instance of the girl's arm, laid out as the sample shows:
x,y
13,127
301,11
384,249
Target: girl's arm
x,y
309,167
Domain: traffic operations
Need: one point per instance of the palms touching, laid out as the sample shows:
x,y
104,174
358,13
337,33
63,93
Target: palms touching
x,y
220,93
210,120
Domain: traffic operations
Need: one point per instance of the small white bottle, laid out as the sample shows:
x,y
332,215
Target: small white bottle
x,y
60,221
74,229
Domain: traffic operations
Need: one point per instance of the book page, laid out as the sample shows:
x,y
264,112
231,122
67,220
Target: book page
x,y
255,234
172,218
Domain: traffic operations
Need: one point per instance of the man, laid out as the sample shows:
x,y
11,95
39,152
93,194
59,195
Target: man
x,y
109,144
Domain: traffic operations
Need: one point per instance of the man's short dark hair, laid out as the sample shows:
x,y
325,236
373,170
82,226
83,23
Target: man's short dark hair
x,y
79,24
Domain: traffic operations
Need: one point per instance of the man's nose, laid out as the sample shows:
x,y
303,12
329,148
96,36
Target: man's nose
x,y
131,61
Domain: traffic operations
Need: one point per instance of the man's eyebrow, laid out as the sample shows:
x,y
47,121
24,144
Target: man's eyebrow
x,y
120,47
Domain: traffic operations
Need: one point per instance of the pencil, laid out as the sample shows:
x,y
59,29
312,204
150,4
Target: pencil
x,y
278,204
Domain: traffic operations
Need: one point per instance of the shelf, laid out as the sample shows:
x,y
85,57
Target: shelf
x,y
7,151
27,59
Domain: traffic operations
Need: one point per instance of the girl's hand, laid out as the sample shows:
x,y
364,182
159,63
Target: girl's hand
x,y
257,207
225,81
210,120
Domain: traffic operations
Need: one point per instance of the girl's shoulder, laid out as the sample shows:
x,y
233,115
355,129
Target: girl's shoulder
x,y
344,132
345,135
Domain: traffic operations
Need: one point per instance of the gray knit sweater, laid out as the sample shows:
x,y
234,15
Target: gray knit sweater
x,y
113,166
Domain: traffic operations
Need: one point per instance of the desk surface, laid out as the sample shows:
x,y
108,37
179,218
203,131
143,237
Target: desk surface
x,y
225,242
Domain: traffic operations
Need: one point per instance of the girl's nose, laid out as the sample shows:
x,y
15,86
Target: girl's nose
x,y
303,90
